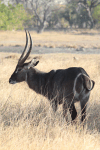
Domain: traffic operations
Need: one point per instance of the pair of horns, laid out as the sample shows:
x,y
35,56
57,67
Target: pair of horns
x,y
22,59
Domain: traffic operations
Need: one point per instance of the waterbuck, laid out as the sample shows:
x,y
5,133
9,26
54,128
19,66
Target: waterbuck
x,y
62,86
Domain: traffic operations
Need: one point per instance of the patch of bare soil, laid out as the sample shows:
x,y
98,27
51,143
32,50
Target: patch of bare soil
x,y
44,50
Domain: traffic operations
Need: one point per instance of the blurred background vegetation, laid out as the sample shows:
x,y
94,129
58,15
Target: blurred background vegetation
x,y
49,14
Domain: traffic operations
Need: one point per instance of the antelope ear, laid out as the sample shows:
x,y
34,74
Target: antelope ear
x,y
33,63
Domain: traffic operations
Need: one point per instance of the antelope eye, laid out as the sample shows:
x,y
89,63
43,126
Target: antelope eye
x,y
19,69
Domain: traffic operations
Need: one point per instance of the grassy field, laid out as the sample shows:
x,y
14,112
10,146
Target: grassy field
x,y
27,121
74,38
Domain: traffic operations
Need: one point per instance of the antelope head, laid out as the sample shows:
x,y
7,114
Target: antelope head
x,y
22,68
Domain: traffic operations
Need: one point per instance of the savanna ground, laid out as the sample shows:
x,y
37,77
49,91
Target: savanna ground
x,y
71,38
27,121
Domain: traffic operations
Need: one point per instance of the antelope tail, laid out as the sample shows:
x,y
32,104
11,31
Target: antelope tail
x,y
87,82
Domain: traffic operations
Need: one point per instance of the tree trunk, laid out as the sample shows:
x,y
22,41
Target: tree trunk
x,y
40,28
91,19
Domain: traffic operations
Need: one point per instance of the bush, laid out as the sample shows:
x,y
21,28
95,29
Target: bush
x,y
96,14
12,17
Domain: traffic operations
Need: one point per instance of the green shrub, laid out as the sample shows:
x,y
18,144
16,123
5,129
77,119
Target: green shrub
x,y
96,13
12,17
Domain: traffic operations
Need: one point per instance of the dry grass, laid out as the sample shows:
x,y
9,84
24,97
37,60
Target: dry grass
x,y
26,119
74,38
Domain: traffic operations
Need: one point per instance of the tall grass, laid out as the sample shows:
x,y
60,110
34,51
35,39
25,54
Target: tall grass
x,y
27,120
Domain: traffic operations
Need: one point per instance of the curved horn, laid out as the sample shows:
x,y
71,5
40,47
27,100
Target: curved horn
x,y
24,48
26,56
